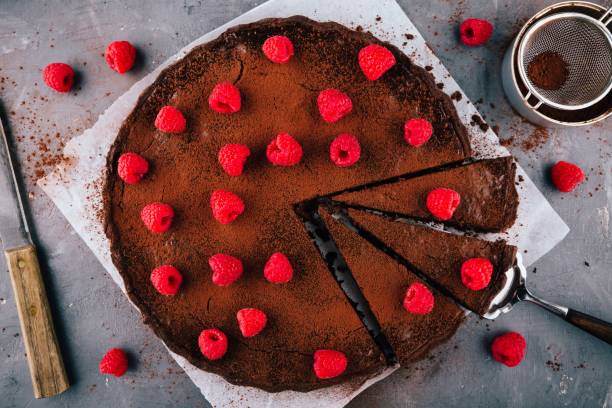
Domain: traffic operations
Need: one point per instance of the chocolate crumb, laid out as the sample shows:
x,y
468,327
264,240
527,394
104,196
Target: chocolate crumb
x,y
456,96
477,120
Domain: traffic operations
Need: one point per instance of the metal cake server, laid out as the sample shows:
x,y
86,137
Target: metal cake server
x,y
516,290
43,353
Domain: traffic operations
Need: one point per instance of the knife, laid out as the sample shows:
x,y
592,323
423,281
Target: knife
x,y
43,353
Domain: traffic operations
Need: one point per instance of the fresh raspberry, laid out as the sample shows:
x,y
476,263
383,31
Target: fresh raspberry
x,y
232,158
157,217
509,348
442,203
474,32
59,76
566,176
225,98
334,105
417,131
278,49
166,279
476,273
213,343
278,269
132,167
226,206
170,120
226,269
418,299
329,363
375,60
251,321
114,362
345,151
120,56
284,150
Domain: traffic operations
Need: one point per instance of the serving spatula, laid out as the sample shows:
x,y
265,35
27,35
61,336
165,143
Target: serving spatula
x,y
43,353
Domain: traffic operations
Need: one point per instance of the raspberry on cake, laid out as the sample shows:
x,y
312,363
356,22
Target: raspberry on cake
x,y
166,279
329,363
251,321
114,362
418,299
226,206
284,150
225,98
278,268
375,60
226,269
232,157
120,56
417,131
278,49
157,217
132,167
212,343
442,203
476,273
344,150
334,105
170,120
59,76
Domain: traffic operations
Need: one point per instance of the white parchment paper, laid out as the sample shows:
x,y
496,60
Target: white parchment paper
x,y
75,191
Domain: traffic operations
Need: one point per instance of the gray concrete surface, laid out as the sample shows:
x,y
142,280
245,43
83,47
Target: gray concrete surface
x,y
563,367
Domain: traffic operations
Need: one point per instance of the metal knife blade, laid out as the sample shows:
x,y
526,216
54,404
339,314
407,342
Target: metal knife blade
x,y
14,231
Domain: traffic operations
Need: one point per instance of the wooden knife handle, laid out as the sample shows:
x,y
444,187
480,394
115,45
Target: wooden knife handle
x,y
593,325
44,357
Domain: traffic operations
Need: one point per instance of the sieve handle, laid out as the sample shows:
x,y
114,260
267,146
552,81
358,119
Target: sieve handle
x,y
606,18
538,103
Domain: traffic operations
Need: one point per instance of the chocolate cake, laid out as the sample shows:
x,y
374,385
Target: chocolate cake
x,y
489,200
310,312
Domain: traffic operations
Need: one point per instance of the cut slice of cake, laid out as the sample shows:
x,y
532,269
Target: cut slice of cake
x,y
384,281
489,200
439,255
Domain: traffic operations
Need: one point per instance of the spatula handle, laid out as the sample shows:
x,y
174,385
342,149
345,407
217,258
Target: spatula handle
x,y
44,357
591,324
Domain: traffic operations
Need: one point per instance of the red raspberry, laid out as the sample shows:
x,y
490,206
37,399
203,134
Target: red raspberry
x,y
157,217
278,49
59,76
232,158
566,176
509,348
476,273
132,167
170,120
474,31
345,151
225,98
375,60
251,321
329,363
166,279
226,269
442,203
226,206
418,299
213,344
278,269
334,105
417,131
120,56
114,362
284,150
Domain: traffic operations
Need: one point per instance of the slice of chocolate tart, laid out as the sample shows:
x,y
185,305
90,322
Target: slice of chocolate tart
x,y
489,200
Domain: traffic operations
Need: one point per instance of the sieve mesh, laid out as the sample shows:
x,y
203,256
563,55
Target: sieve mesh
x,y
584,47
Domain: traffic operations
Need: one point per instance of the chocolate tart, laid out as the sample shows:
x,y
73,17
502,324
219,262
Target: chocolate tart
x,y
384,281
438,255
310,312
489,200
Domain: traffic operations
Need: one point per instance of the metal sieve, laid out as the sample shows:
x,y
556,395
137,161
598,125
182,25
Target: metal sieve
x,y
584,44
